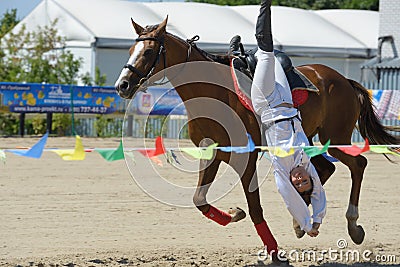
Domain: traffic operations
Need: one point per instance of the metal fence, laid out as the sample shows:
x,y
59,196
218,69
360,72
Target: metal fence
x,y
176,127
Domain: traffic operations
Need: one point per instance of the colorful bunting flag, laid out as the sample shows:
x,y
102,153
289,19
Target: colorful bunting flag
x,y
264,154
152,152
355,150
112,155
156,160
315,151
199,152
383,150
172,158
35,151
280,152
2,156
330,158
68,154
250,147
131,156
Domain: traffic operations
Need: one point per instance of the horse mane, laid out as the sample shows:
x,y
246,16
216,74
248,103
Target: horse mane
x,y
222,59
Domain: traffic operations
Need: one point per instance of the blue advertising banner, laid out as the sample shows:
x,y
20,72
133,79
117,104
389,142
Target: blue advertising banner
x,y
55,98
157,101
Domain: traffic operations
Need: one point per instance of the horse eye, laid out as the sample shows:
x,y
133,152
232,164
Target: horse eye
x,y
148,52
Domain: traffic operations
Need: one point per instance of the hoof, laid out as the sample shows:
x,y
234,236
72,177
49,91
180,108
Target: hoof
x,y
279,261
237,214
357,234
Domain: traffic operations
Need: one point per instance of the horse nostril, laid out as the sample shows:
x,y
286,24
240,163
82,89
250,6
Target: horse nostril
x,y
123,85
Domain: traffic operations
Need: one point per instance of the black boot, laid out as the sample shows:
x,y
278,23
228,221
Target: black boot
x,y
234,46
263,27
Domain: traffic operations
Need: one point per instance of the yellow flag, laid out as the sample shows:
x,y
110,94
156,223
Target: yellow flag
x,y
68,154
199,152
279,152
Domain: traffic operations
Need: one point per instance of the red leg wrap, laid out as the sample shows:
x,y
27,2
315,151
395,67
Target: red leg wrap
x,y
267,237
218,216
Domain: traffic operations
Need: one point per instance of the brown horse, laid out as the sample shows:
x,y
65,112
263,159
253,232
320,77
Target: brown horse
x,y
219,116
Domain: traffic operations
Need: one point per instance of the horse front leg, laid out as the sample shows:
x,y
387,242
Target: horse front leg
x,y
357,166
208,171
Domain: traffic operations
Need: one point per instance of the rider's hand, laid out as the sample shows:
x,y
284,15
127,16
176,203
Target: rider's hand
x,y
314,230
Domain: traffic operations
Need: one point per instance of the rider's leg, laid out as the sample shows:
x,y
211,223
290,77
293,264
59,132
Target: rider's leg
x,y
263,27
264,75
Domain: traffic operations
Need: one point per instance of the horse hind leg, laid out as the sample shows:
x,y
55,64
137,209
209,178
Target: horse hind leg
x,y
357,167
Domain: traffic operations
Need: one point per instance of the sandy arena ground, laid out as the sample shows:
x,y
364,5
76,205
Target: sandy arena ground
x,y
92,213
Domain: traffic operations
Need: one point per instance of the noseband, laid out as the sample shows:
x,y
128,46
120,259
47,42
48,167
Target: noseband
x,y
162,50
144,77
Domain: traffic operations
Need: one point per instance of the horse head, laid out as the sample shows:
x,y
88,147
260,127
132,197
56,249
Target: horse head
x,y
145,55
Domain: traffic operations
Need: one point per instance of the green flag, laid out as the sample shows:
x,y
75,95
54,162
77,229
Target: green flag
x,y
200,153
315,151
112,155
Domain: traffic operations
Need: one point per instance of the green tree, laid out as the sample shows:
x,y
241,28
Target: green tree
x,y
305,4
38,56
8,21
99,79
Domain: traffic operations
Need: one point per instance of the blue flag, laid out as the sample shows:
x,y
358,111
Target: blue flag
x,y
35,151
250,147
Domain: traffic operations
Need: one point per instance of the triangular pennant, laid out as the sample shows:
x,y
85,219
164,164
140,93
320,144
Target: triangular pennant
x,y
68,154
280,152
315,151
382,150
199,152
152,152
2,156
112,155
156,160
250,147
172,158
35,151
355,150
131,156
330,158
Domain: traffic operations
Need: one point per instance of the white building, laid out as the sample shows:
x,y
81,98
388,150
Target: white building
x,y
100,31
389,23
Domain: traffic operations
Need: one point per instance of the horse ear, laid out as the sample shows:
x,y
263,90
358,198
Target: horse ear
x,y
138,29
162,26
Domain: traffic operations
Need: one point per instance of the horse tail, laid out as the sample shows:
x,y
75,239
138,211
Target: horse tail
x,y
368,123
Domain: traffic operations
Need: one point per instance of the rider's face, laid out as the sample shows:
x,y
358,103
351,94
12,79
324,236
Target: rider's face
x,y
300,179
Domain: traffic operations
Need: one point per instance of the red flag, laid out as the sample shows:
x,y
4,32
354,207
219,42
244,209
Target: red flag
x,y
355,150
152,152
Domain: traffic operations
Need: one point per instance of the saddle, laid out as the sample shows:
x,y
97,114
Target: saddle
x,y
246,61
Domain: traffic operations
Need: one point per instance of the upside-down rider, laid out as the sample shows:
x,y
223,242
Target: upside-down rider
x,y
295,175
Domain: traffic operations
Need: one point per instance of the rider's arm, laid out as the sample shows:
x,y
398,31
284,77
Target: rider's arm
x,y
294,203
318,197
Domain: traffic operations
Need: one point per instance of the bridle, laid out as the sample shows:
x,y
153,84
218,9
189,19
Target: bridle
x,y
144,77
162,51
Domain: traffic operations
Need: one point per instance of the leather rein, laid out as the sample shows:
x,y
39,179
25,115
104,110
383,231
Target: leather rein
x,y
161,51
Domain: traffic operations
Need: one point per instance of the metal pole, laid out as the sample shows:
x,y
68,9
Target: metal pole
x,y
130,126
49,122
71,91
21,124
